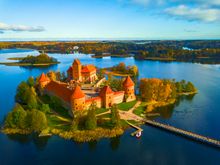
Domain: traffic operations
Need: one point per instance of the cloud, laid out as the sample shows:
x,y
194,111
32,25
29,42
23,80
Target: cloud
x,y
20,28
194,14
176,2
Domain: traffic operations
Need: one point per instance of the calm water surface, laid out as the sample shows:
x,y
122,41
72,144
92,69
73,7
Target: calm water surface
x,y
199,114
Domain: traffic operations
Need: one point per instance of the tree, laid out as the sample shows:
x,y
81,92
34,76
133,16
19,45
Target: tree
x,y
37,120
45,108
190,87
52,75
91,121
21,93
134,70
16,118
115,117
32,99
30,81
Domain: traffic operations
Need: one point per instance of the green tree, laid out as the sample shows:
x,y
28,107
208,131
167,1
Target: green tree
x,y
115,117
16,118
91,121
37,120
31,81
190,87
21,93
32,99
45,108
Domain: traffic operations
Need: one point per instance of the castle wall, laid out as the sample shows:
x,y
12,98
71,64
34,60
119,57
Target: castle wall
x,y
118,97
64,103
78,104
97,100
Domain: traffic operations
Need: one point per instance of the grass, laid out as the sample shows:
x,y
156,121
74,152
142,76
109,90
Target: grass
x,y
126,106
101,110
56,105
139,110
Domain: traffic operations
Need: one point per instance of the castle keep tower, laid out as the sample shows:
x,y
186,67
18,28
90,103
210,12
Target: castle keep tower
x,y
107,96
128,86
43,80
76,70
77,99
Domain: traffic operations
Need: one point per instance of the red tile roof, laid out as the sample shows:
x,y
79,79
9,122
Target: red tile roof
x,y
105,90
77,93
59,90
43,78
128,82
88,69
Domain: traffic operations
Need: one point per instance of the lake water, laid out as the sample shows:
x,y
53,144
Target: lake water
x,y
199,114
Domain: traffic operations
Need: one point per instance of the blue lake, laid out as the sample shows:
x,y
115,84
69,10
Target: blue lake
x,y
199,114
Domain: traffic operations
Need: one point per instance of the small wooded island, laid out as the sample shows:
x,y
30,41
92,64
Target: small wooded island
x,y
84,106
41,60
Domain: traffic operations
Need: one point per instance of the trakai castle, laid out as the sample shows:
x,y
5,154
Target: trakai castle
x,y
76,97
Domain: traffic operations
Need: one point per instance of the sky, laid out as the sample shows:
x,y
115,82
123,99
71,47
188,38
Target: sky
x,y
109,19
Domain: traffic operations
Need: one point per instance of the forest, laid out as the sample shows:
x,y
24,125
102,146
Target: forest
x,y
202,51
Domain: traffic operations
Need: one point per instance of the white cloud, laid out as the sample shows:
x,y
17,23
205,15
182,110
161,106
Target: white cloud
x,y
196,13
19,28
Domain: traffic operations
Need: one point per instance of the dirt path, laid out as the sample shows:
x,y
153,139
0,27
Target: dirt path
x,y
127,115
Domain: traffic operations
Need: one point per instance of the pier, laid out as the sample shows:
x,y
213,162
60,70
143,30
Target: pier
x,y
188,134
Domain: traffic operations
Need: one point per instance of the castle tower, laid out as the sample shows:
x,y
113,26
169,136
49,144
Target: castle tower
x,y
77,99
128,86
43,80
107,96
76,70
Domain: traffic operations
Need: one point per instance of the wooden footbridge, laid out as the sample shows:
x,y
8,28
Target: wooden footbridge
x,y
188,134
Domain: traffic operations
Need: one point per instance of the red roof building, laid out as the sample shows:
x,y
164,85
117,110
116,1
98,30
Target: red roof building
x,y
77,93
43,78
128,82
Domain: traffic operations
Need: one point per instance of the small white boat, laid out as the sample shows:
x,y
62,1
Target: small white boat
x,y
138,134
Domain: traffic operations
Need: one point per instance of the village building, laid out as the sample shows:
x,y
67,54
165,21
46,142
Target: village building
x,y
75,98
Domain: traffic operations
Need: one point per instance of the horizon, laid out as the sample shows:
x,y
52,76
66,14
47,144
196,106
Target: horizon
x,y
110,20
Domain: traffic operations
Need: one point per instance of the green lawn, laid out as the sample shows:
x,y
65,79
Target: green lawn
x,y
101,110
139,110
126,106
56,105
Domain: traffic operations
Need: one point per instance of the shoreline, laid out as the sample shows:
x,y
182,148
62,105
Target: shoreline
x,y
26,64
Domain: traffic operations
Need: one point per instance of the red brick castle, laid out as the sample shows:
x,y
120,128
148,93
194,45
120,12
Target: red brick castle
x,y
74,98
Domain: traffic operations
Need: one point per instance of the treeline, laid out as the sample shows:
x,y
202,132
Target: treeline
x,y
204,51
40,59
211,55
163,90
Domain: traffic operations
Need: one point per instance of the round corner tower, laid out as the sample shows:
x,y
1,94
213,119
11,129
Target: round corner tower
x,y
77,99
128,86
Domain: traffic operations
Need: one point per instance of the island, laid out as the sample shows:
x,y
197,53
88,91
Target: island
x,y
83,105
41,60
